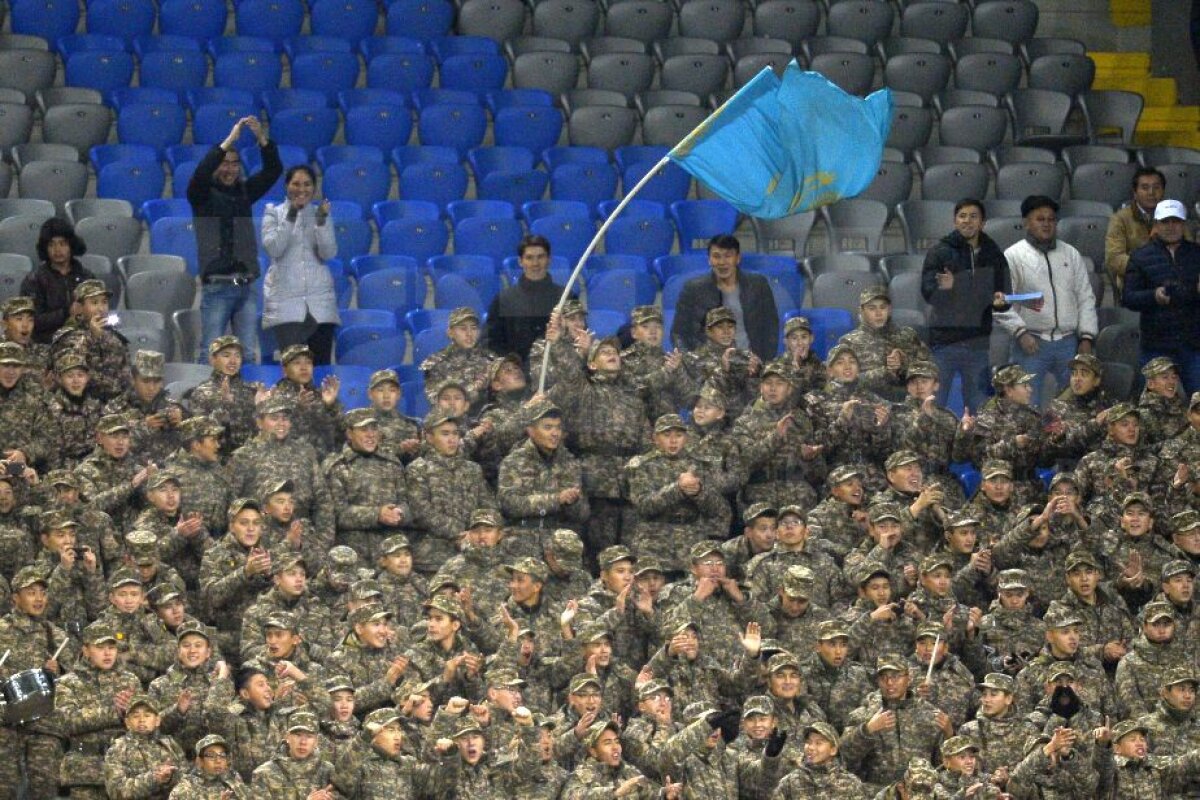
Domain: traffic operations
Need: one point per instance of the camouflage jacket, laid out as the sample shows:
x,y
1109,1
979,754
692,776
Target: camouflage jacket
x,y
130,763
860,440
314,621
995,432
642,744
88,718
1141,671
206,488
262,461
1001,740
837,690
196,785
226,591
881,758
315,422
235,413
148,444
952,686
253,735
107,485
1162,417
1151,778
832,523
1063,777
1094,688
936,438
184,553
25,422
872,346
443,492
106,353
188,727
718,773
592,780
365,772
468,365
366,668
775,469
529,483
72,426
360,484
1097,477
828,780
1172,732
144,646
287,778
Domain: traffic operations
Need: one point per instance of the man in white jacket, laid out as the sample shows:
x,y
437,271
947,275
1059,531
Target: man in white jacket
x,y
1047,332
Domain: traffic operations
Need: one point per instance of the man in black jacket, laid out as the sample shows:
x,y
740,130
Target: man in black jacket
x,y
52,284
518,315
964,280
226,248
747,295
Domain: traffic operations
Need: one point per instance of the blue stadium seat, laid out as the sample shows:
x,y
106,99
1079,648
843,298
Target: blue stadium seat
x,y
308,128
604,322
485,160
555,157
560,270
351,20
428,342
300,45
220,94
517,188
369,316
174,69
590,184
325,72
419,19
392,289
49,19
686,264
376,354
670,185
389,210
631,154
700,220
416,404
781,271
89,42
535,127
152,124
364,183
426,96
100,70
365,265
828,325
353,238
169,42
377,324
423,154
212,122
247,70
200,20
175,236
276,20
497,238
569,235
507,98
221,45
154,210
621,290
178,153
464,209
474,72
266,373
102,155
670,294
352,98
438,183
544,208
634,209
276,100
134,95
460,262
446,47
423,319
453,125
181,175
123,18
597,264
385,127
648,238
332,154
374,46
134,181
455,291
419,238
401,72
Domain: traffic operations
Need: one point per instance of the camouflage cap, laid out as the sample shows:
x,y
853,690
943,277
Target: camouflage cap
x,y
112,423
359,418
194,627
1177,567
869,569
383,376
439,582
1194,401
366,589
141,700
1061,669
599,344
716,316
781,370
837,351
891,661
446,605
962,518
90,288
436,417
996,467
283,620
581,681
1013,579
12,353
1138,497
241,504
698,710
531,567
756,510
704,547
669,422
338,683
342,559
1011,375
288,561
303,722
276,486
824,730
199,427
643,314
1185,521
593,632
450,383
1000,682
597,730
504,677
1080,558
937,561
380,718
759,704
832,629
1121,410
28,576
844,473
212,740
653,687
98,633
149,364
1089,362
1128,726
878,512
221,342
649,564
920,774
1158,366
573,308
793,510
545,721
958,744
798,581
462,314
496,364
930,630
371,612
293,352
162,478
485,518
877,292
17,305
1061,617
797,323
565,542
123,577
142,546
64,477
56,519
70,360
394,544
782,661
164,593
611,555
1158,609
540,409
713,396
1180,673
901,458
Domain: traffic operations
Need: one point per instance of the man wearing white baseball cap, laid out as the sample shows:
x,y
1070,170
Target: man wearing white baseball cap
x,y
1163,282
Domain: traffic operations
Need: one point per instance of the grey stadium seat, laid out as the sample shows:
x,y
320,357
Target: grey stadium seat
x,y
6,179
499,19
553,72
1080,154
1064,72
628,73
925,222
1108,183
1120,343
954,181
1117,380
1002,156
911,128
791,20
25,206
1012,20
111,236
1153,156
722,20
1005,231
149,262
606,127
866,20
56,181
700,74
819,45
1018,181
897,264
23,154
519,46
665,97
942,22
609,45
1086,234
1084,208
978,44
1040,46
21,41
784,235
85,207
905,289
569,20
10,95
27,71
686,46
164,291
19,234
841,289
13,269
139,338
855,224
995,73
667,125
1004,206
67,95
899,45
186,331
79,125
16,123
922,73
645,20
758,45
892,184
748,66
1111,115
582,98
1183,180
1040,118
933,154
978,127
852,72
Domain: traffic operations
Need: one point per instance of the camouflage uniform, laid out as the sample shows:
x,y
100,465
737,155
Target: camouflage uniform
x,y
1065,777
717,772
184,553
860,441
145,648
196,785
837,690
645,366
443,491
465,365
776,472
832,522
130,763
226,591
951,687
313,619
287,778
368,773
529,483
24,418
106,352
360,484
1043,567
253,735
1141,671
996,428
366,666
1013,636
72,420
1124,778
592,780
1162,417
706,366
1001,740
206,487
107,481
872,346
313,421
1094,689
1097,477
235,414
148,444
189,727
719,619
808,782
936,440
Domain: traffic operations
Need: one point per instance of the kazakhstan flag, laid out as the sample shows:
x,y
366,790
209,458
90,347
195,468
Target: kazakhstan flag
x,y
783,146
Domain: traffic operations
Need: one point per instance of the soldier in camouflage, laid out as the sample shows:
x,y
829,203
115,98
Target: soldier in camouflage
x,y
462,360
143,647
885,350
290,594
87,332
1173,725
836,683
400,436
153,416
720,364
300,773
236,569
226,397
1076,415
920,425
853,424
1009,632
605,773
205,484
1163,408
110,475
142,763
24,419
211,777
1152,655
805,363
820,774
878,622
74,412
180,692
1126,771
540,481
1008,428
1062,651
316,408
17,316
839,521
998,730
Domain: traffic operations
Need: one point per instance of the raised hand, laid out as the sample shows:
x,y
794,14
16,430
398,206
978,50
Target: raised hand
x,y
752,640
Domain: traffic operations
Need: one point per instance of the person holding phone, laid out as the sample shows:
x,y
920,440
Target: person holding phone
x,y
299,300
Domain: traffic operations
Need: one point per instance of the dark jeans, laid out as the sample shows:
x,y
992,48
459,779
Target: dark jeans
x,y
968,360
318,337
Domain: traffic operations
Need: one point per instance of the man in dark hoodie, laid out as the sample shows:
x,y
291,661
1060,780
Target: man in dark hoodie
x,y
226,249
964,278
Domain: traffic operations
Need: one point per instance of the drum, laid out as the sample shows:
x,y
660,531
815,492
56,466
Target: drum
x,y
29,696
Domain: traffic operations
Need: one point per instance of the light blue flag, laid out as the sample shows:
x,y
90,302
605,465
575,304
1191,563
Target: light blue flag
x,y
782,146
